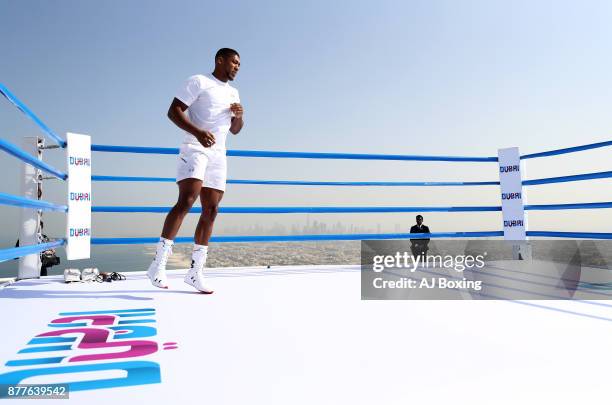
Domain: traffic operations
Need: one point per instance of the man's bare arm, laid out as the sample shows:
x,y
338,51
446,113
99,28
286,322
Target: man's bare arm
x,y
237,121
176,114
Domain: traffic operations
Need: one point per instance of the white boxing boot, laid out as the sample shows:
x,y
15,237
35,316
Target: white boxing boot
x,y
157,269
195,275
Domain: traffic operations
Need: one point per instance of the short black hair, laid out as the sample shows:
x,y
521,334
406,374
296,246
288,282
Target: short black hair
x,y
226,52
419,217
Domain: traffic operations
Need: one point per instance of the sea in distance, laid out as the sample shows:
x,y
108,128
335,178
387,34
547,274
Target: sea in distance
x,y
129,258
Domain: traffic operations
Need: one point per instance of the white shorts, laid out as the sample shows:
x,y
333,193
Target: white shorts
x,y
207,165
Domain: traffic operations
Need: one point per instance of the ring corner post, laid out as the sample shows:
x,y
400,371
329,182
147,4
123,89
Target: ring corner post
x,y
78,222
513,209
30,265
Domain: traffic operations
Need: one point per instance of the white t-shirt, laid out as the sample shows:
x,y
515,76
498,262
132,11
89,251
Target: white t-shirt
x,y
208,99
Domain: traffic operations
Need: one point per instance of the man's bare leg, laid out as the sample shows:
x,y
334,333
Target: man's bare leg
x,y
189,189
210,199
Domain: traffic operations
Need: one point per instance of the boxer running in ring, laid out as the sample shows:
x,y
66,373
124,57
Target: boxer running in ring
x,y
213,108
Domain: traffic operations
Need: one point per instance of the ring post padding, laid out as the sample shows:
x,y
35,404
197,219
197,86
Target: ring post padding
x,y
29,265
513,209
78,223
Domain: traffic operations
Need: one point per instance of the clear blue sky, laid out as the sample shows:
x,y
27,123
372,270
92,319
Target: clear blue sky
x,y
408,77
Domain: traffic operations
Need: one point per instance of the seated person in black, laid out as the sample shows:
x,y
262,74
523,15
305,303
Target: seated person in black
x,y
419,246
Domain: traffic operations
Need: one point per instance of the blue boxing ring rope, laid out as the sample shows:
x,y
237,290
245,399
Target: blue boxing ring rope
x,y
18,201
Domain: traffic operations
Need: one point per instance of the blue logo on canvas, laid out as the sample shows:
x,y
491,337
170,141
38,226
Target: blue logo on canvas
x,y
92,342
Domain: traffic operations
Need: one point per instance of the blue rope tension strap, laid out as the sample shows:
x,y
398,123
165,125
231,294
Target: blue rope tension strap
x,y
354,237
354,210
16,201
357,156
577,206
301,238
567,150
24,109
301,155
565,179
134,149
309,183
13,253
573,235
550,180
132,178
26,157
297,210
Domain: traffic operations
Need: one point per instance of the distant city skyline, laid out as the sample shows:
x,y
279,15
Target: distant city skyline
x,y
316,227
